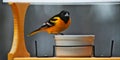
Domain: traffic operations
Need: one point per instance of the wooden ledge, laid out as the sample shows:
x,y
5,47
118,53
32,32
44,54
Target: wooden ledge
x,y
60,58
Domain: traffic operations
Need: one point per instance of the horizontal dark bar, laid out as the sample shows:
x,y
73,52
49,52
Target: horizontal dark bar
x,y
73,46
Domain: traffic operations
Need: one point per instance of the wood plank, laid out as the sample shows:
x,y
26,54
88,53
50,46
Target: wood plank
x,y
18,46
58,58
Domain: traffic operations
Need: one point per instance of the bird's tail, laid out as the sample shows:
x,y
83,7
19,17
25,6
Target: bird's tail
x,y
35,32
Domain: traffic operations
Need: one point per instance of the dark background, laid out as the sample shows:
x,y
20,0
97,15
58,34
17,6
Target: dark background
x,y
103,21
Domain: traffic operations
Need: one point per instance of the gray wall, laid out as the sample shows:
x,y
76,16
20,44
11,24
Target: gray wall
x,y
101,20
6,30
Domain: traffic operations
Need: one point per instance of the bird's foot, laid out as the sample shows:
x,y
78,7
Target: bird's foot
x,y
58,34
61,34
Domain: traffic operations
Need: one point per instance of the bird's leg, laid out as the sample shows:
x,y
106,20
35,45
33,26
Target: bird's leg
x,y
57,33
61,33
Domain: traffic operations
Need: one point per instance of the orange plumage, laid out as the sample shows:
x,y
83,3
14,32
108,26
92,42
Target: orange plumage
x,y
56,24
59,27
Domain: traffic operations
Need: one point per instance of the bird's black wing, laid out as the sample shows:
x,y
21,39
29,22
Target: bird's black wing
x,y
48,23
45,25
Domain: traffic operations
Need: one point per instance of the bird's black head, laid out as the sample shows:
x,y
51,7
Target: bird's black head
x,y
64,15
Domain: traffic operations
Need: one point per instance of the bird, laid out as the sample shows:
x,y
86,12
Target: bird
x,y
55,25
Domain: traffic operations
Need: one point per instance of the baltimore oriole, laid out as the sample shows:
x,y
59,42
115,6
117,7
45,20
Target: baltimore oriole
x,y
56,24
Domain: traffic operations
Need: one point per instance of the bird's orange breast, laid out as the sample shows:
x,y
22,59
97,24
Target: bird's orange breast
x,y
58,27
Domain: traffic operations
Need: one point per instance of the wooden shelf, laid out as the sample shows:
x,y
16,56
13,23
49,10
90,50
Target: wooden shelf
x,y
58,58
